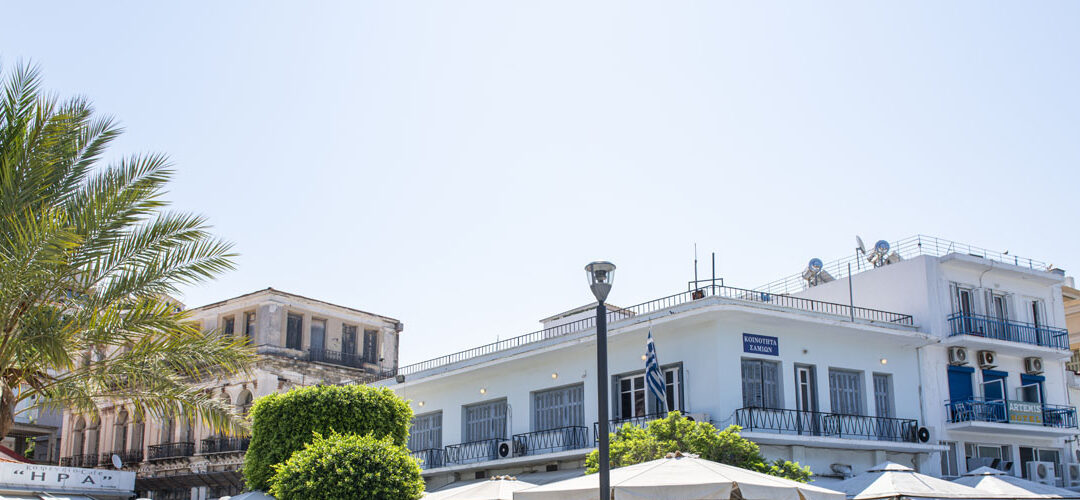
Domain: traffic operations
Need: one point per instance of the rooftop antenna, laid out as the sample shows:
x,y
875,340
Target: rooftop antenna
x,y
695,264
714,269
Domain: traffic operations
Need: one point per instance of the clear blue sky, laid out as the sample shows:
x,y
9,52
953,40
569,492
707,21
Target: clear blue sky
x,y
455,164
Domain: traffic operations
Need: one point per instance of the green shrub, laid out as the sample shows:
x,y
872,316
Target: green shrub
x,y
283,423
348,467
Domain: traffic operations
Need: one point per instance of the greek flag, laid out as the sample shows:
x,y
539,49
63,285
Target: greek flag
x,y
654,378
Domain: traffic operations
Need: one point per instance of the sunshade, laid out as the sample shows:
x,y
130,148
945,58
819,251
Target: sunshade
x,y
496,488
995,481
892,480
680,477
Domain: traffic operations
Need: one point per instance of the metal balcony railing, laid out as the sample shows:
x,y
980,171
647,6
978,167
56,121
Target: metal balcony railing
x,y
997,411
87,461
551,440
127,457
664,303
814,423
616,423
221,444
430,458
325,356
338,358
1013,331
474,451
166,451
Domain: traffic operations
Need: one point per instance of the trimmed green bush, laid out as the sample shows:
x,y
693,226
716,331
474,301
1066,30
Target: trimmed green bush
x,y
348,467
283,423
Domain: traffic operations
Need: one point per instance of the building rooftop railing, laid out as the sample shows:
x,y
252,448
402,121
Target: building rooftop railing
x,y
663,303
906,248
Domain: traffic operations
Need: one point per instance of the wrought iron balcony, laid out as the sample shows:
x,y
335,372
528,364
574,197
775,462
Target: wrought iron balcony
x,y
475,451
128,457
616,423
89,460
430,458
338,358
1013,331
1011,412
551,440
814,423
221,444
166,451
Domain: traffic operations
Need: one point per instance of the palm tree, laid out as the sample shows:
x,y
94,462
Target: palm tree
x,y
89,257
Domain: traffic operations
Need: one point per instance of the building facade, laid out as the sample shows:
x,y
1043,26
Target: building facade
x,y
932,354
299,342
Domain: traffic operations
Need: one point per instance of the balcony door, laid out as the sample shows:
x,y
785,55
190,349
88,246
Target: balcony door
x,y
806,400
1000,308
318,335
965,307
993,387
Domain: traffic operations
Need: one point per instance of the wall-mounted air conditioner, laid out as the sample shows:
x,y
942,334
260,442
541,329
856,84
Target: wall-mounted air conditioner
x,y
1041,472
987,359
505,449
958,355
698,417
1033,366
1072,475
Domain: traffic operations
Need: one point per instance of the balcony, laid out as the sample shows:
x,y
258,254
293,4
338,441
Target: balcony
x,y
1013,331
1019,413
834,425
166,451
431,458
338,358
474,451
128,457
616,423
221,444
90,460
551,440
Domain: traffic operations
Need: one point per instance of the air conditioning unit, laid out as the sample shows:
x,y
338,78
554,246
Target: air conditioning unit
x,y
987,359
925,434
1041,472
958,355
1033,366
1072,475
505,449
697,417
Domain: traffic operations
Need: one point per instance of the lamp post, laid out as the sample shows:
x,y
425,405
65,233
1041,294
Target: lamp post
x,y
601,274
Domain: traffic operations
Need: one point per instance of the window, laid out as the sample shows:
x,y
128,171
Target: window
x,y
949,466
562,407
120,434
167,428
371,346
348,339
249,325
426,432
846,392
485,421
761,383
988,455
318,335
883,399
963,301
671,383
1031,388
228,325
294,332
632,396
1037,314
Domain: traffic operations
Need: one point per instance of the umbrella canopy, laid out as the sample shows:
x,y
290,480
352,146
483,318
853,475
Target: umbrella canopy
x,y
892,480
681,478
995,481
496,488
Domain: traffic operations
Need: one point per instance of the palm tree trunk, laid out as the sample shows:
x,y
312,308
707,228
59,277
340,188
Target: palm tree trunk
x,y
7,409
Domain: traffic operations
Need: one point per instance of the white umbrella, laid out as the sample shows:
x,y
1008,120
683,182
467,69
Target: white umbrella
x,y
992,480
681,477
892,480
496,488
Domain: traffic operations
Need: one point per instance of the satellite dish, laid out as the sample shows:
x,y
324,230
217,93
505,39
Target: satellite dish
x,y
116,462
859,246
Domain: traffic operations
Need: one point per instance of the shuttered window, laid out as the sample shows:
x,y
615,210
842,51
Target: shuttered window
x,y
845,391
485,421
883,395
294,331
426,432
563,407
761,383
371,346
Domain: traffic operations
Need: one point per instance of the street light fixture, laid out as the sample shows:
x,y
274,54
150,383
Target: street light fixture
x,y
601,275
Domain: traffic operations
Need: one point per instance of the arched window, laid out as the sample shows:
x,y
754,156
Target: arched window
x,y
78,437
243,402
168,425
137,432
186,432
92,435
120,432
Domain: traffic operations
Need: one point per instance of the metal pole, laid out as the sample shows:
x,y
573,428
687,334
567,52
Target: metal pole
x,y
851,292
602,398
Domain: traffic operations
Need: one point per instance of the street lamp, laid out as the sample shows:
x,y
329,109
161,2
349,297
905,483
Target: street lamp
x,y
601,274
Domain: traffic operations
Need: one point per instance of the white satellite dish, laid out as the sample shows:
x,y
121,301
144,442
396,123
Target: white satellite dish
x,y
116,462
859,246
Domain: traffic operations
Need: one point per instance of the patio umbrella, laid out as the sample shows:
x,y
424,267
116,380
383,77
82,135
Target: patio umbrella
x,y
892,480
681,477
992,480
496,488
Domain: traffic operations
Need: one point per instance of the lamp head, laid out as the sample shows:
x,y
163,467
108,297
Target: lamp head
x,y
601,274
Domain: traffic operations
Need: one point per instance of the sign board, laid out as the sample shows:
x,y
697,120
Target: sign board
x,y
57,479
1023,412
760,344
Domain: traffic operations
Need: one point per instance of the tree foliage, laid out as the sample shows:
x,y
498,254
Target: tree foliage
x,y
283,423
348,467
89,254
633,445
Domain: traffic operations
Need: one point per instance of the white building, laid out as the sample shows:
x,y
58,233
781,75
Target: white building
x,y
809,377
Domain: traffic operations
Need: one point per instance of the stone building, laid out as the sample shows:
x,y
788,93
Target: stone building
x,y
299,341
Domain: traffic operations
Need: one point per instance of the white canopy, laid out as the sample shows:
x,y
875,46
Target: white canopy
x,y
496,488
681,478
892,480
995,481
